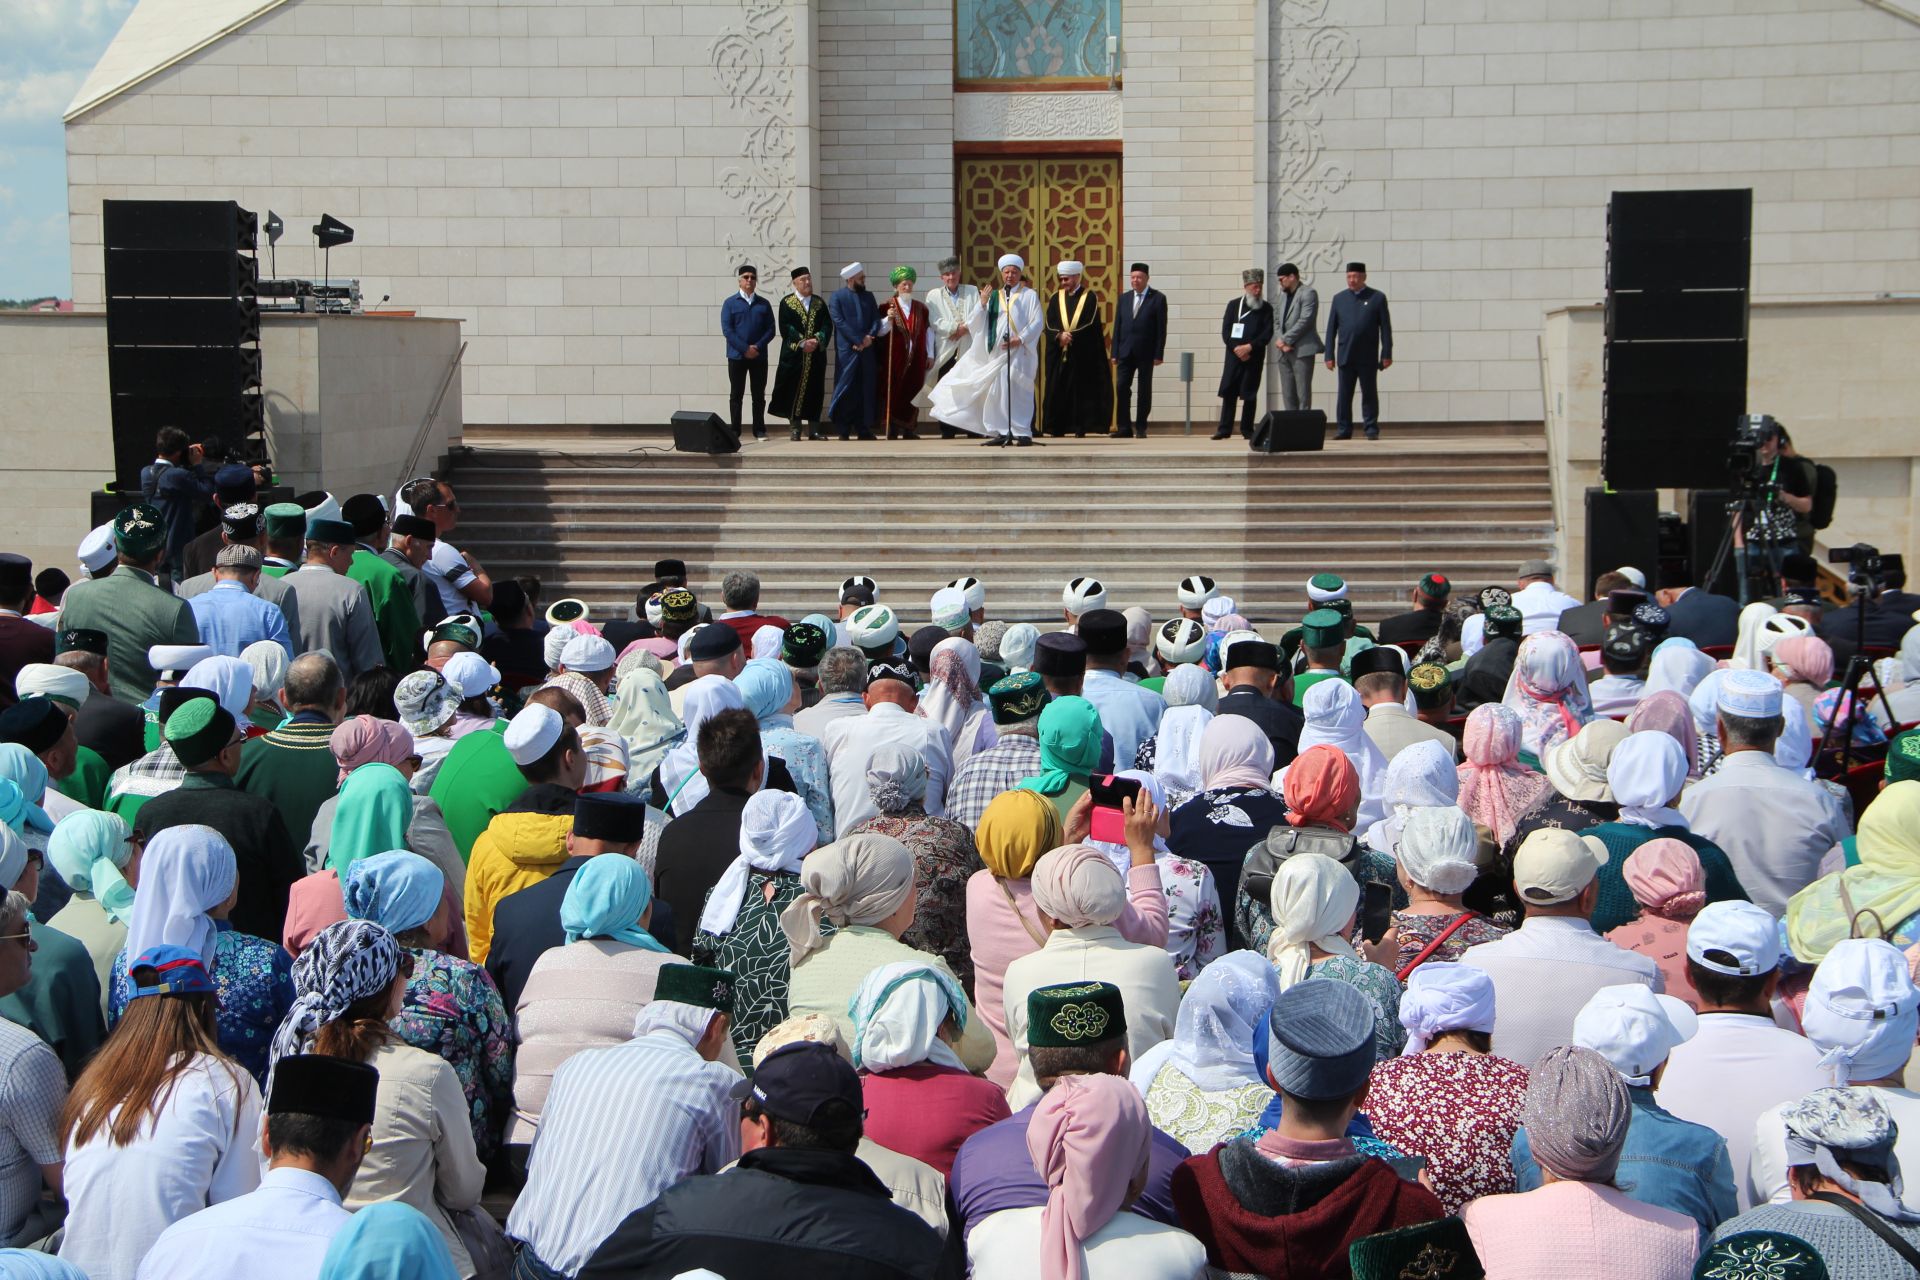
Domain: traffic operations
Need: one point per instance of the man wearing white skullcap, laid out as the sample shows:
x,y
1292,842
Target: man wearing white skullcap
x,y
1079,376
1774,823
1193,593
976,593
990,391
526,842
96,551
1082,595
857,322
1180,642
949,612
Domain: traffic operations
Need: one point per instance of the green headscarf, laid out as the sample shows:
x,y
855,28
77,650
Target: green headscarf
x,y
375,810
1069,745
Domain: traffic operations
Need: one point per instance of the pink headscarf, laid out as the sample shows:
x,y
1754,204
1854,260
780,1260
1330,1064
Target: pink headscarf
x,y
1667,712
1495,788
1078,885
1808,657
1322,788
1548,690
1666,878
1089,1140
370,740
1235,753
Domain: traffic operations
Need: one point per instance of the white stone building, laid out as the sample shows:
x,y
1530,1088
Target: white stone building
x,y
577,179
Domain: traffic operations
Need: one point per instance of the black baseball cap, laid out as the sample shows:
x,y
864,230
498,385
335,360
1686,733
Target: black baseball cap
x,y
796,1082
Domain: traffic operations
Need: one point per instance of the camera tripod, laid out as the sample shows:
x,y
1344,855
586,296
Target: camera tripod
x,y
1743,511
1859,670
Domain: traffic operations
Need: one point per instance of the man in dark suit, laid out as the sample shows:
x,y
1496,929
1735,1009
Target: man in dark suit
x,y
1299,340
1423,621
1139,345
115,729
1587,623
746,321
21,640
856,323
1359,345
1245,330
1697,614
1259,688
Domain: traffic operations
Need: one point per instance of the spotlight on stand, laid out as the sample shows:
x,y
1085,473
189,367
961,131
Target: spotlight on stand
x,y
275,229
328,232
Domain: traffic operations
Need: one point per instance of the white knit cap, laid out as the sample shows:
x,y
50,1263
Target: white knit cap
x,y
96,549
1195,591
1749,693
975,590
949,609
532,733
1637,577
1181,640
587,653
1083,595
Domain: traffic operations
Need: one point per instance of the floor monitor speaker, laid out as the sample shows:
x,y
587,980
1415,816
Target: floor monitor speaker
x,y
695,432
1290,431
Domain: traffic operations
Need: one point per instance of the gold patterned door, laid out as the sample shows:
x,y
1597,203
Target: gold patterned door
x,y
1047,209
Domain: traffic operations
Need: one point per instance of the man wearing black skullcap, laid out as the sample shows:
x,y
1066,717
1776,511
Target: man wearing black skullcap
x,y
234,485
336,613
1380,678
1256,686
1127,712
714,650
45,728
409,548
319,1127
1139,345
526,924
1484,678
1360,346
395,615
115,729
21,641
1060,659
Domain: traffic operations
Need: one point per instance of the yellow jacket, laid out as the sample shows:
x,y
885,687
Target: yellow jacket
x,y
520,847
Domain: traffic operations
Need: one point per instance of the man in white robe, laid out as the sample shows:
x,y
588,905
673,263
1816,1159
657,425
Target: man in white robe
x,y
990,391
948,305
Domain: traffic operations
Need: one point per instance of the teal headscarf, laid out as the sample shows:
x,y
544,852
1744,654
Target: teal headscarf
x,y
375,810
1069,745
606,900
396,890
20,813
88,849
24,770
766,685
388,1240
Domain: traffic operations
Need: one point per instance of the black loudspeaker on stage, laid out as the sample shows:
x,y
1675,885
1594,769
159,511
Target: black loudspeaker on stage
x,y
1623,527
695,432
1290,431
1678,266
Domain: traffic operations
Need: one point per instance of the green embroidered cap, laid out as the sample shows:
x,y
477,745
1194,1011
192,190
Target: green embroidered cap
x,y
697,985
1075,1014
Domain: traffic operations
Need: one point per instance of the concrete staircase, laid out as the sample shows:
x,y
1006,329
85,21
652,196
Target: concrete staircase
x,y
588,509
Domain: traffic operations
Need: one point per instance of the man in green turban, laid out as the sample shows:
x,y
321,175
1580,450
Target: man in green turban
x,y
906,353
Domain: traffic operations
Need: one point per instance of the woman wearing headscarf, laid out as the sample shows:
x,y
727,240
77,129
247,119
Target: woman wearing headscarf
x,y
1196,925
1900,676
1335,718
643,715
862,886
1422,776
953,698
1003,924
1017,647
1577,769
161,1124
91,852
1761,628
268,661
1647,774
1436,867
428,706
586,993
944,857
188,883
1879,896
58,998
740,926
768,688
364,740
1449,1097
1496,789
1578,1224
1677,667
1173,752
1548,691
1804,667
388,1241
1202,1087
1667,712
28,812
680,786
1070,745
1314,902
1669,886
1089,1140
352,980
451,1007
921,1099
1079,897
1235,807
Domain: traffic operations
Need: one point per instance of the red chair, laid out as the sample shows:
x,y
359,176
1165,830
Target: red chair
x,y
1717,651
1862,782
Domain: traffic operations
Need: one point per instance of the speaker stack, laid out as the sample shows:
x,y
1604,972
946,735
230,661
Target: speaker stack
x,y
183,326
1676,339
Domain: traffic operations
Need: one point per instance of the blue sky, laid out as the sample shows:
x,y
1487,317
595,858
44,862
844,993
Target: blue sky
x,y
49,47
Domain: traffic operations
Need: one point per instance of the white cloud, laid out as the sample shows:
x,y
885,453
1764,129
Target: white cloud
x,y
38,95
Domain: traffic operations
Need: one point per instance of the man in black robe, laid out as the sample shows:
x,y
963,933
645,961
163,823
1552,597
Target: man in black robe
x,y
801,380
1245,331
1079,379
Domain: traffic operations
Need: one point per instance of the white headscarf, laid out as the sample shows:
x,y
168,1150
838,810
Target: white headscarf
x,y
1017,646
268,659
706,698
897,1014
1910,656
1437,847
767,641
1548,691
229,680
1191,696
776,833
1793,749
1677,669
1704,701
1313,900
1422,776
1335,718
1761,628
185,872
1445,997
1213,1035
1645,774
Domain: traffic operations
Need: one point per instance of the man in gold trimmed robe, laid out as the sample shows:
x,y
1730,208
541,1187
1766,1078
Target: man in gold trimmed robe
x,y
805,332
1079,379
906,352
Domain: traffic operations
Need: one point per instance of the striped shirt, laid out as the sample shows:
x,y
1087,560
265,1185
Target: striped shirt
x,y
620,1126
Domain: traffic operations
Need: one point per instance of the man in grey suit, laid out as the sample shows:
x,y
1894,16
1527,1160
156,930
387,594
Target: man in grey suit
x,y
1299,340
336,614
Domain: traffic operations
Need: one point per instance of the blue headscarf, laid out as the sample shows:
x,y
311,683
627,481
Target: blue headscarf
x,y
606,900
25,1264
766,685
396,890
20,813
28,775
388,1240
88,849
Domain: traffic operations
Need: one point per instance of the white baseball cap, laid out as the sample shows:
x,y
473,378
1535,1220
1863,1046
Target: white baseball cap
x,y
1736,938
1634,1029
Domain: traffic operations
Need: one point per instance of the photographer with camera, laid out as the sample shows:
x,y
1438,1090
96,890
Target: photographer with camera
x,y
1882,610
1778,495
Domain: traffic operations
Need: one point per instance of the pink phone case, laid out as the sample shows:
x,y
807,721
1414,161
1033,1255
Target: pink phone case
x,y
1109,826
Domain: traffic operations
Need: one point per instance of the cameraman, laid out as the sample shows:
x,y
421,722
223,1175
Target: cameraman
x,y
1888,615
1782,498
1792,462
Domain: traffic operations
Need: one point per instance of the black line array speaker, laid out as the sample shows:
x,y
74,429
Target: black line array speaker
x,y
1290,431
1623,527
183,326
695,432
1675,372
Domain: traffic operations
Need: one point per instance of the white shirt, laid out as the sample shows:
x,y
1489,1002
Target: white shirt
x,y
1128,712
281,1231
1774,824
813,720
197,1151
1540,605
448,570
851,743
1615,695
1736,1067
1006,1246
1766,1178
1543,973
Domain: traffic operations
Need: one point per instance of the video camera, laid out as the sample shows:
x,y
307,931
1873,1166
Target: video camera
x,y
1866,567
1751,432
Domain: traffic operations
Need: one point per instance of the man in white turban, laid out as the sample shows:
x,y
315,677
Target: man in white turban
x,y
1079,378
990,391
